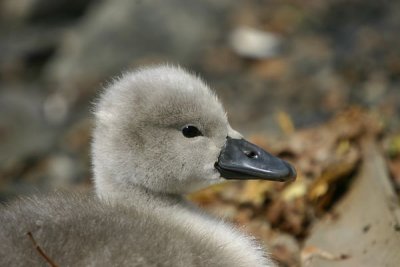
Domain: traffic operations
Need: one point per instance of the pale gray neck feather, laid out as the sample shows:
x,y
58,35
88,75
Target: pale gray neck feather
x,y
173,209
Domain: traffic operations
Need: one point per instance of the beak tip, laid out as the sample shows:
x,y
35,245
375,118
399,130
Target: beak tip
x,y
292,174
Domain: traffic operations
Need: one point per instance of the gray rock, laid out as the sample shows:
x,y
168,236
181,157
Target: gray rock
x,y
39,10
116,35
252,43
23,130
24,49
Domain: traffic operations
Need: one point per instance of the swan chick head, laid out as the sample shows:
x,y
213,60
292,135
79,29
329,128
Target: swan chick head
x,y
160,128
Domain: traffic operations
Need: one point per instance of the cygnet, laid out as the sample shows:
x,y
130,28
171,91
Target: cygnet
x,y
160,133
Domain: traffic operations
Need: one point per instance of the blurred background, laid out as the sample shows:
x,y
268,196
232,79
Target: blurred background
x,y
279,66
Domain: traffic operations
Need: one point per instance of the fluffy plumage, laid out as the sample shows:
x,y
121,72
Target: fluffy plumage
x,y
142,166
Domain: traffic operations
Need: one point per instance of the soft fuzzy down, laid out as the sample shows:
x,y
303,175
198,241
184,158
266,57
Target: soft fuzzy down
x,y
143,165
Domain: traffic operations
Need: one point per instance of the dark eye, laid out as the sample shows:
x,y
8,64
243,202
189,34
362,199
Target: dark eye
x,y
191,131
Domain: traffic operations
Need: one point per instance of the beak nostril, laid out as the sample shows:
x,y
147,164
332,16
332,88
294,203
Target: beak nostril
x,y
251,154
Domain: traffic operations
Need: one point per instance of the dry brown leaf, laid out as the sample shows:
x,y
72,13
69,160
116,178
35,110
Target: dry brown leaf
x,y
254,192
295,190
311,252
392,146
343,166
285,123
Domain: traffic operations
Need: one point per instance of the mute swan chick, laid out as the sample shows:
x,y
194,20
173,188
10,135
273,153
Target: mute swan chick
x,y
160,133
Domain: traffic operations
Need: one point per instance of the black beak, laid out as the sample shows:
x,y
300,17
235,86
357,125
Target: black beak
x,y
240,159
